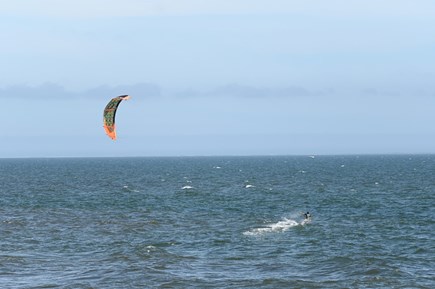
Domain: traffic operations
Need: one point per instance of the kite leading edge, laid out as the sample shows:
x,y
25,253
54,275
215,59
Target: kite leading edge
x,y
109,115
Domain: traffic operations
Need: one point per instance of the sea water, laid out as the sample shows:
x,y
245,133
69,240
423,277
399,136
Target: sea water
x,y
218,222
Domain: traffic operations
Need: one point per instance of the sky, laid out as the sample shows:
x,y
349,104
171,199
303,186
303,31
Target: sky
x,y
217,77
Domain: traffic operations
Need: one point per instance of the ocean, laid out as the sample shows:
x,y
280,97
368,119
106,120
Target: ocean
x,y
218,222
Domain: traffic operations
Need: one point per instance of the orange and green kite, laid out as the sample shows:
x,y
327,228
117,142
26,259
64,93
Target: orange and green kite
x,y
109,115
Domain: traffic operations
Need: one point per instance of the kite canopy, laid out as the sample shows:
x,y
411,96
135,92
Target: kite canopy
x,y
109,115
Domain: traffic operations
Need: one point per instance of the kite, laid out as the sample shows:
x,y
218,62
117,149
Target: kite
x,y
109,115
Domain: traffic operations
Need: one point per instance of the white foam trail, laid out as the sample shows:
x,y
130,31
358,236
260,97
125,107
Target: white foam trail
x,y
280,226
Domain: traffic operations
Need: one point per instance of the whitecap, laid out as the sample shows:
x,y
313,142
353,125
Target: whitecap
x,y
150,248
187,188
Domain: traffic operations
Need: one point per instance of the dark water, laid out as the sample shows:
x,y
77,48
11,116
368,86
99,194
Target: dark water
x,y
218,222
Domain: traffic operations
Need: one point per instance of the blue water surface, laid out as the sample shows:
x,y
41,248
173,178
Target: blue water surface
x,y
218,222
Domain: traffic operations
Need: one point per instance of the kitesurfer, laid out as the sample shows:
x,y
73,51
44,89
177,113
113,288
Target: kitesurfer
x,y
307,215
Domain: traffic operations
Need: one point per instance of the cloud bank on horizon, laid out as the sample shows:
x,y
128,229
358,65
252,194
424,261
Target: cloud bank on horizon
x,y
221,76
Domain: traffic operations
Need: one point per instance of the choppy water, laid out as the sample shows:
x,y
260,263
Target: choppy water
x,y
218,222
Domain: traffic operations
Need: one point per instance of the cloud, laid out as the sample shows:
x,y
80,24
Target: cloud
x,y
140,90
145,90
375,92
237,90
50,90
45,90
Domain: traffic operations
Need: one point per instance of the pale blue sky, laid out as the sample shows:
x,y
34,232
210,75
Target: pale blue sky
x,y
227,77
